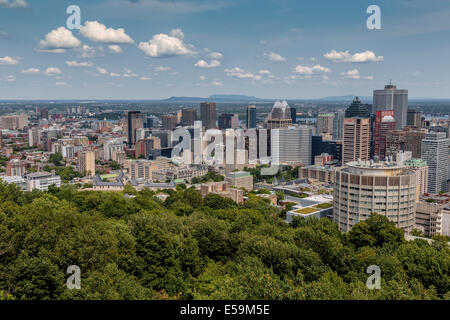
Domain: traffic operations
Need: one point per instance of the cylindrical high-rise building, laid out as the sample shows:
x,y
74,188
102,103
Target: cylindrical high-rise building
x,y
364,187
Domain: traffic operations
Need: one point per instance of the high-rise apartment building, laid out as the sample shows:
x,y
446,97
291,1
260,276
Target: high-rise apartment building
x,y
251,117
356,139
421,168
435,153
364,187
384,123
391,98
208,114
86,163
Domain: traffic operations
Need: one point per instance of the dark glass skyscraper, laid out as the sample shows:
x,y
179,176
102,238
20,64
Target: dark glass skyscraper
x,y
251,117
208,115
357,109
294,115
134,121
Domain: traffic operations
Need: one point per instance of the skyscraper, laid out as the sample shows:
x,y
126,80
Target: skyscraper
x,y
384,123
134,121
414,118
44,113
251,117
294,115
291,145
169,121
392,98
435,153
325,123
280,117
356,144
357,109
228,121
208,114
356,133
188,116
338,123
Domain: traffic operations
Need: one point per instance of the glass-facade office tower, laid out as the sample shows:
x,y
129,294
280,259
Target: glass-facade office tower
x,y
435,153
391,98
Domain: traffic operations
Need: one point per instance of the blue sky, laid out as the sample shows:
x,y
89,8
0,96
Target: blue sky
x,y
151,49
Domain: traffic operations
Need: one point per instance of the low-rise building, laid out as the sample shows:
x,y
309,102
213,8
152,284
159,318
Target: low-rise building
x,y
42,180
240,179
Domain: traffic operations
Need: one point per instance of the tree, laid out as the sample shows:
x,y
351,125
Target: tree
x,y
376,231
56,159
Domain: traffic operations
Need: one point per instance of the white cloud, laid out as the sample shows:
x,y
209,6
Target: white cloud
x,y
239,73
22,4
163,45
272,56
52,71
370,78
9,61
305,70
351,74
202,78
102,70
204,64
215,55
61,84
79,64
10,78
217,83
177,33
162,68
97,32
128,73
31,70
265,72
90,52
346,56
60,38
145,78
113,74
115,49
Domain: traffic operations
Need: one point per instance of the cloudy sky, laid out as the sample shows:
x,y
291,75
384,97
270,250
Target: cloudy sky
x,y
151,49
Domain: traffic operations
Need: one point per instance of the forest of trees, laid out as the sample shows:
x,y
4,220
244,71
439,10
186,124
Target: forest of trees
x,y
131,245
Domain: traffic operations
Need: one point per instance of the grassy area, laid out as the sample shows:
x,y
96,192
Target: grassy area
x,y
306,210
325,205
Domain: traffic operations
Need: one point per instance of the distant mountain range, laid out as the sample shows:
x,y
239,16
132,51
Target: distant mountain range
x,y
217,98
244,98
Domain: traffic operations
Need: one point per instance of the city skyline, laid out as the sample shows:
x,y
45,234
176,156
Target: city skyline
x,y
152,49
